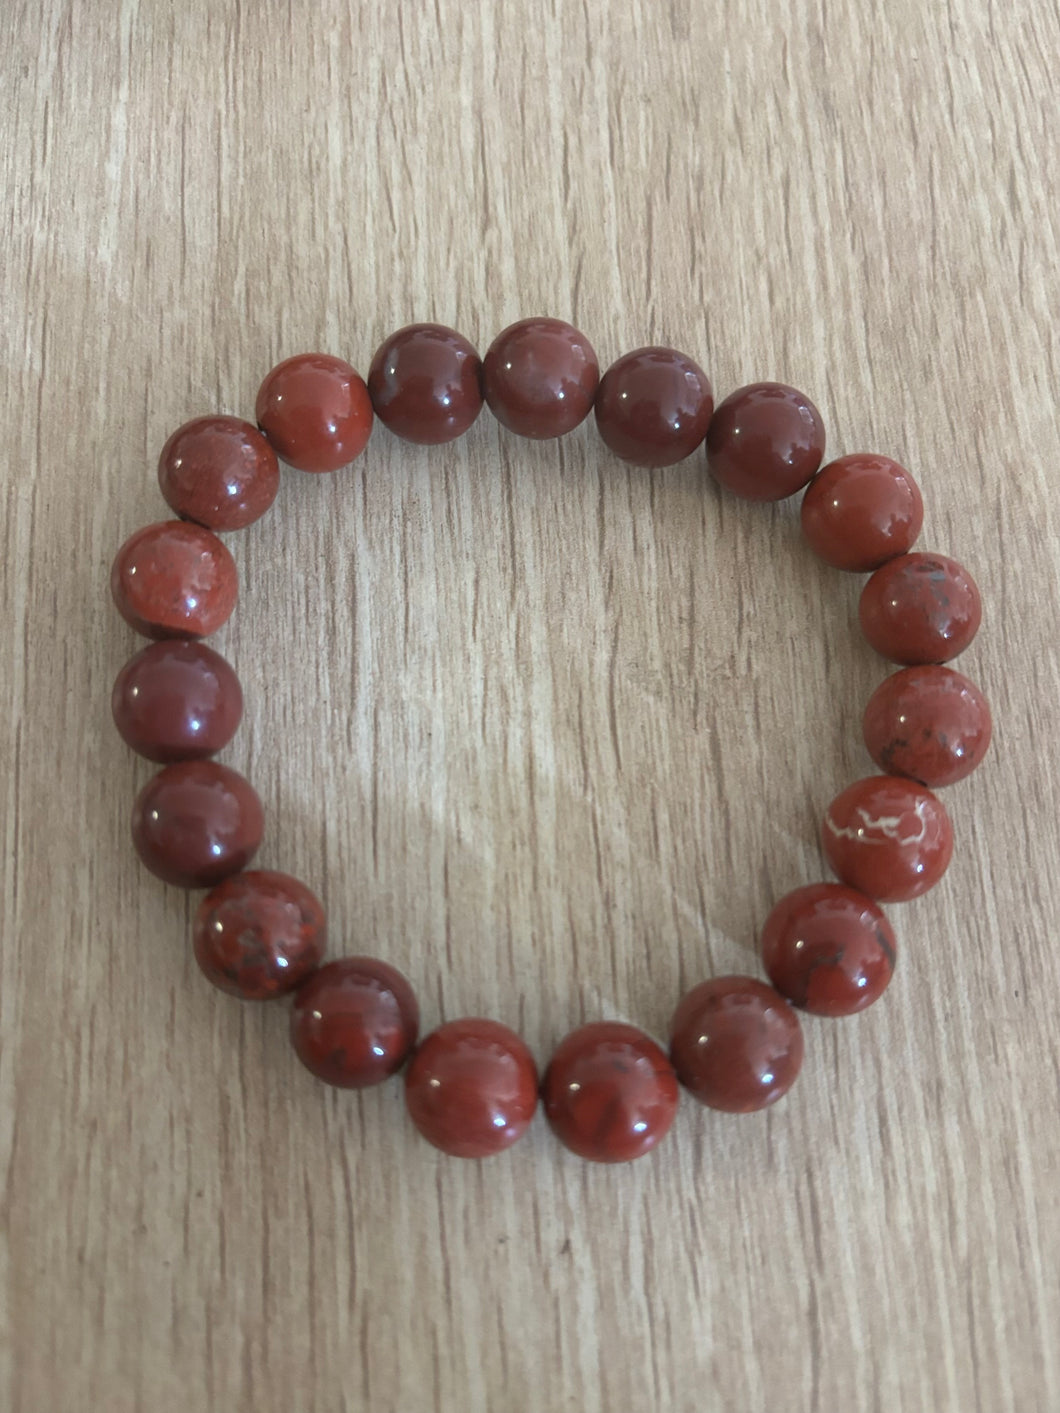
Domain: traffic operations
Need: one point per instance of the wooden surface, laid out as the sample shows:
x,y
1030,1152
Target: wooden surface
x,y
549,733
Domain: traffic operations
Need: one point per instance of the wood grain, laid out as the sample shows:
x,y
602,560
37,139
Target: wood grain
x,y
548,733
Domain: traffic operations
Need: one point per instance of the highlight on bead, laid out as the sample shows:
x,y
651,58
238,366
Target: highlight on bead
x,y
609,1092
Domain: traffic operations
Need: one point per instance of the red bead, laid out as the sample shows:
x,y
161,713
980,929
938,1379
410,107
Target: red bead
x,y
929,723
219,472
354,1022
828,949
920,608
887,837
196,822
315,411
653,406
736,1044
765,441
425,384
860,511
260,934
609,1092
539,377
174,580
471,1088
177,700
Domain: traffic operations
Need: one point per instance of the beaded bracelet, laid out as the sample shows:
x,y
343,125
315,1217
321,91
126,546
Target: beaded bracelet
x,y
609,1092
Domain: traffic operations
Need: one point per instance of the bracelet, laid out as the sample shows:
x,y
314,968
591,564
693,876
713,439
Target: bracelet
x,y
609,1091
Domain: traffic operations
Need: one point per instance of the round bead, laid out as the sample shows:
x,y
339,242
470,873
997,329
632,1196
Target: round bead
x,y
259,934
736,1044
315,411
929,723
860,511
471,1088
539,377
828,949
354,1022
653,406
174,580
196,822
177,700
765,441
425,384
609,1092
219,472
887,837
920,608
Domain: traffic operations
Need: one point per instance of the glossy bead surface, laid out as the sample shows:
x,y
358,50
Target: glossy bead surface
x,y
425,384
860,511
315,411
736,1044
653,406
928,723
920,608
471,1088
219,472
197,822
174,580
354,1022
887,837
539,377
177,700
610,1093
259,934
828,949
765,441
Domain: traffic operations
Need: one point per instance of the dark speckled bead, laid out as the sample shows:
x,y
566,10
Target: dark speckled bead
x,y
929,723
828,949
354,1022
610,1093
920,608
259,934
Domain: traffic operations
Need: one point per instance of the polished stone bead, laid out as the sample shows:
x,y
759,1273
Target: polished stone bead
x,y
928,723
610,1093
765,441
539,377
860,511
196,822
653,406
259,934
174,580
920,608
736,1044
887,837
177,700
219,472
471,1088
315,411
828,949
354,1022
425,384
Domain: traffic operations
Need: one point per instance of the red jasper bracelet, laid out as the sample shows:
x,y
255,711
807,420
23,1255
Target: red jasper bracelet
x,y
609,1092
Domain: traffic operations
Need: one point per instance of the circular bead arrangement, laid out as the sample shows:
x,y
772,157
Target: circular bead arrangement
x,y
610,1091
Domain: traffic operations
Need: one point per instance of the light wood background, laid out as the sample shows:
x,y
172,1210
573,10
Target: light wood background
x,y
548,733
